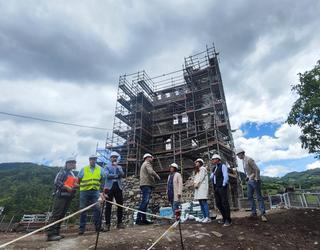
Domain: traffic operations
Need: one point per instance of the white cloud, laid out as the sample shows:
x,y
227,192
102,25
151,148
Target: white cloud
x,y
263,93
260,57
285,145
275,170
27,140
314,165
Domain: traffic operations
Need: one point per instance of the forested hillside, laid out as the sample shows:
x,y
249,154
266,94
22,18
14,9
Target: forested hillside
x,y
26,188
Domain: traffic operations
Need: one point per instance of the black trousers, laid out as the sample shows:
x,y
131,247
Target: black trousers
x,y
222,202
60,208
114,192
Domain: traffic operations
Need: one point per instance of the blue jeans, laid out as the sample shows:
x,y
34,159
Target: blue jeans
x,y
204,208
87,198
146,194
175,205
255,186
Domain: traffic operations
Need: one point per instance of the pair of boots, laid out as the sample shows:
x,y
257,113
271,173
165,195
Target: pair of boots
x,y
55,236
143,222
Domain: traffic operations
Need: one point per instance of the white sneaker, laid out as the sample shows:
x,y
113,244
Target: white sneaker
x,y
198,219
206,220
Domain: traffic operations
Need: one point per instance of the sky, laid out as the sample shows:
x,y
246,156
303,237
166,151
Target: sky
x,y
61,60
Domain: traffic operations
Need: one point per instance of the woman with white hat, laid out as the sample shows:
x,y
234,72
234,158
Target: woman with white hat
x,y
174,187
201,188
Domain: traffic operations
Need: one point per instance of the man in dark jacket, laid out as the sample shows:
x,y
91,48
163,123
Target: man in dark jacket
x,y
113,188
65,184
220,181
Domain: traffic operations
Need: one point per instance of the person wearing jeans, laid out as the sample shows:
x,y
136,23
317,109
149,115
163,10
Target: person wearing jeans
x,y
201,188
220,178
255,186
90,178
147,183
174,187
87,198
252,172
146,194
204,209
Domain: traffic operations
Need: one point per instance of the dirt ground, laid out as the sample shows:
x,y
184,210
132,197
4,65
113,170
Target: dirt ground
x,y
286,229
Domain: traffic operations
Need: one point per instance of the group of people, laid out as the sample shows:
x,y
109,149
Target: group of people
x,y
220,178
95,182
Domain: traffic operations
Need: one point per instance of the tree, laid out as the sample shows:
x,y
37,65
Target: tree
x,y
305,112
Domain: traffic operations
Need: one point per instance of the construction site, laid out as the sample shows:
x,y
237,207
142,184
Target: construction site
x,y
177,117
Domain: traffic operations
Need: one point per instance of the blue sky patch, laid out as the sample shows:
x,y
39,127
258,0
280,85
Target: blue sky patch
x,y
285,166
253,129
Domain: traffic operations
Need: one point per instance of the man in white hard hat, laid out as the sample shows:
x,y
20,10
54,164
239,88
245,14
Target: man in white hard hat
x,y
113,189
147,183
252,172
174,187
220,179
90,177
66,184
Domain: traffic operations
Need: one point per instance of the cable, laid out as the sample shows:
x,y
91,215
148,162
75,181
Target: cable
x,y
136,210
47,226
164,234
51,121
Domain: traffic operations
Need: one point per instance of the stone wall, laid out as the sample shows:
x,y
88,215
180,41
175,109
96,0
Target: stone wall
x,y
132,196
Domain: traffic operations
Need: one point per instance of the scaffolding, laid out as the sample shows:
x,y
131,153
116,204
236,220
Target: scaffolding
x,y
177,117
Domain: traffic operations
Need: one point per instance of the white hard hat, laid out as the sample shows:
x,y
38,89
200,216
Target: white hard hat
x,y
114,154
70,159
239,151
200,160
93,156
215,156
147,155
175,165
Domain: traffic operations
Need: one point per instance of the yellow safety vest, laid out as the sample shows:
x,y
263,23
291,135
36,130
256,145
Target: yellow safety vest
x,y
90,180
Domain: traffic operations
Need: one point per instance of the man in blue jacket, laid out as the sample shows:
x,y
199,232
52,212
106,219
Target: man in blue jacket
x,y
113,189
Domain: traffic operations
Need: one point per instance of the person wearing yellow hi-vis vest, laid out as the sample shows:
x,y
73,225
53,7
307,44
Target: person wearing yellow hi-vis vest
x,y
90,179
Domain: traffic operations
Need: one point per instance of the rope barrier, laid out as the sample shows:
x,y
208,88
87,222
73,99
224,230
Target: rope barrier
x,y
164,234
136,210
47,226
82,210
